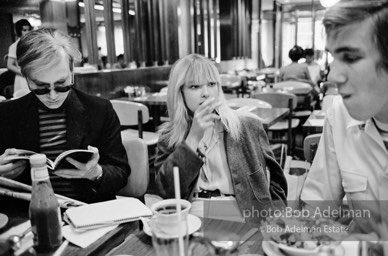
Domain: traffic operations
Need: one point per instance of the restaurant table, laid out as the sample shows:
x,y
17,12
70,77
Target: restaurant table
x,y
314,123
268,116
139,244
129,239
270,74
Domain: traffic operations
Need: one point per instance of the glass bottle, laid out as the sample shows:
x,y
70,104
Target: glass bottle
x,y
44,212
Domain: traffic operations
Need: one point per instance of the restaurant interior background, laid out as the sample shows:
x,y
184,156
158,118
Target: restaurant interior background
x,y
152,34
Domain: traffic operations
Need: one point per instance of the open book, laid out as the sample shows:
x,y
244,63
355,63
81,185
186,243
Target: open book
x,y
106,213
81,155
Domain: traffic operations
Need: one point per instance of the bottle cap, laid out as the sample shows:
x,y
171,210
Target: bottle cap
x,y
38,160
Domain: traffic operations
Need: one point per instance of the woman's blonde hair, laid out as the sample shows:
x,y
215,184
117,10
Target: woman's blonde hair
x,y
193,69
44,48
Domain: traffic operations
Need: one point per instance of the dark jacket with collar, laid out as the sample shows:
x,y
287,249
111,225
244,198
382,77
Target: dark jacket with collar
x,y
247,158
90,121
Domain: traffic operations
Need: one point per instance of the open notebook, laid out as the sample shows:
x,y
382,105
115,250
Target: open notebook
x,y
107,213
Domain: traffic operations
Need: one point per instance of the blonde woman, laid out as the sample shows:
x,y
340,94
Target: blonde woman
x,y
222,155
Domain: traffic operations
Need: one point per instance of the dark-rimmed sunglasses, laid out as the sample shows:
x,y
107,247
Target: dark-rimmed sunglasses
x,y
59,89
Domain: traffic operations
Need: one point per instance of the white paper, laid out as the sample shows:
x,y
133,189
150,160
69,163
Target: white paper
x,y
86,238
106,213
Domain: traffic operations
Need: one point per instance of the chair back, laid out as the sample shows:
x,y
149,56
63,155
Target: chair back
x,y
20,93
247,102
310,146
138,181
131,113
281,100
128,111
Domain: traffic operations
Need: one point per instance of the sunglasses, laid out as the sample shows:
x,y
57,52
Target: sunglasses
x,y
59,89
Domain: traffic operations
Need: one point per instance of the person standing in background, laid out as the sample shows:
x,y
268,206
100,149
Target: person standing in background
x,y
313,67
295,70
22,27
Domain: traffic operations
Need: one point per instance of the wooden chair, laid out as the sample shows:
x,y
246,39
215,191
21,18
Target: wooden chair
x,y
296,171
131,113
247,102
282,100
310,146
138,181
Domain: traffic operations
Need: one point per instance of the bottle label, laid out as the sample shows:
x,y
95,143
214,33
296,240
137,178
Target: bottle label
x,y
38,174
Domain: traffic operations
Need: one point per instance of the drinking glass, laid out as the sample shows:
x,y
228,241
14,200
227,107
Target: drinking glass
x,y
168,228
165,238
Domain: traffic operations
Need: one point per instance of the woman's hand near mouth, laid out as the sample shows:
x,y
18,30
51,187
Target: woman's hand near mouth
x,y
204,117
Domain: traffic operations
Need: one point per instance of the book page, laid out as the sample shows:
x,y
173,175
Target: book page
x,y
81,155
20,155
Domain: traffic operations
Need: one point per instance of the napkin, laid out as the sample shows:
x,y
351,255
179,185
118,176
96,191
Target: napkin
x,y
86,238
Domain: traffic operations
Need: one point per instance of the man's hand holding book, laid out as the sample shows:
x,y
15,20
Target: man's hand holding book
x,y
83,170
9,168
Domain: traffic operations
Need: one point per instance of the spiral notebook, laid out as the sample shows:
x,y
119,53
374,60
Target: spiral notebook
x,y
107,213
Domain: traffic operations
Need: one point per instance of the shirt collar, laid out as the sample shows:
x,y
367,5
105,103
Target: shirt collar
x,y
353,122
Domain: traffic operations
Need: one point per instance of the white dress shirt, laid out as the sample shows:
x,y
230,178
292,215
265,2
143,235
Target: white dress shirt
x,y
215,173
352,159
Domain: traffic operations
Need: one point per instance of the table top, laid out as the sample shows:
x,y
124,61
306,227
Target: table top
x,y
129,239
315,121
150,99
298,91
270,116
138,243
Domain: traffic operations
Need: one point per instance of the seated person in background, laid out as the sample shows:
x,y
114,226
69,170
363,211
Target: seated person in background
x,y
55,117
221,153
120,64
313,67
22,27
295,70
352,156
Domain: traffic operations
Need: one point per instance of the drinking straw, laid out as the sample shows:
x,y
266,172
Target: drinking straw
x,y
178,207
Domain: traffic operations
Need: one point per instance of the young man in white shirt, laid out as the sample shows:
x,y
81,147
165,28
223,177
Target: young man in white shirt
x,y
352,157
